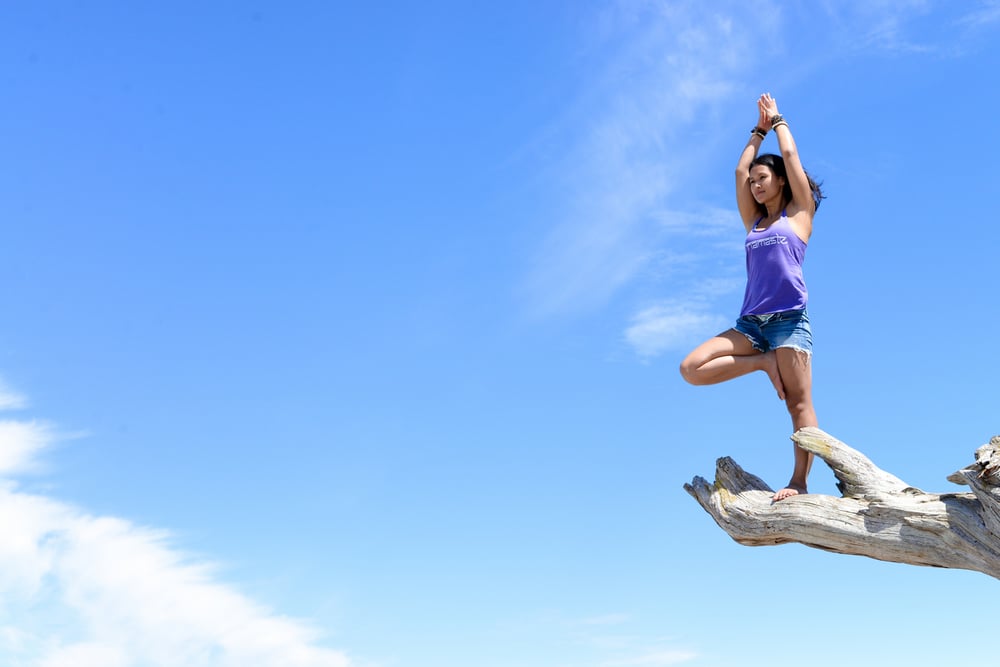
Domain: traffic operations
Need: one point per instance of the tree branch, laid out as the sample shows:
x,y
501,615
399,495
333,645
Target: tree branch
x,y
878,515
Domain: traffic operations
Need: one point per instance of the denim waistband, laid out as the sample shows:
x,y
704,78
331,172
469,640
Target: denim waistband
x,y
781,315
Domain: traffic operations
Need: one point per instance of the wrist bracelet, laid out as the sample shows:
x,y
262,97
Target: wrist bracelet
x,y
775,126
759,132
776,118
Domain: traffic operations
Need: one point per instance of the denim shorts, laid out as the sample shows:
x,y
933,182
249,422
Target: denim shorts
x,y
789,328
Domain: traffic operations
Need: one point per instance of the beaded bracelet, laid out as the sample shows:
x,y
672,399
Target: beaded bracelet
x,y
759,132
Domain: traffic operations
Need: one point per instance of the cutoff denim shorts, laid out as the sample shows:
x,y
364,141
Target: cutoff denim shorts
x,y
789,328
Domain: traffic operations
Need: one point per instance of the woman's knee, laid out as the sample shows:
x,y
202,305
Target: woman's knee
x,y
691,367
799,403
689,370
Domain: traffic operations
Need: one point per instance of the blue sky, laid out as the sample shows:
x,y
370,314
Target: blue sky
x,y
348,335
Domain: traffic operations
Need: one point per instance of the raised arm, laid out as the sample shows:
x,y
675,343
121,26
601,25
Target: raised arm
x,y
744,200
803,206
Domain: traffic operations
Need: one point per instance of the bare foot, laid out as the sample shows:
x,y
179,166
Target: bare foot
x,y
788,492
771,368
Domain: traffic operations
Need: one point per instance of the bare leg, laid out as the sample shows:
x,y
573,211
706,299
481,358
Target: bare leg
x,y
796,372
726,356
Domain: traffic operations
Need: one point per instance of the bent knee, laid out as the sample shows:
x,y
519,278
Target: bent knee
x,y
689,371
686,370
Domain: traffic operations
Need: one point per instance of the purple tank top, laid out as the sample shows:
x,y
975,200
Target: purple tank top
x,y
774,270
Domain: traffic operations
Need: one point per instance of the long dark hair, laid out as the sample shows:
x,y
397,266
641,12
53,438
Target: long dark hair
x,y
776,164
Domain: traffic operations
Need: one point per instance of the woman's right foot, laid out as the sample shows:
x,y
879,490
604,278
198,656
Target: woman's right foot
x,y
771,368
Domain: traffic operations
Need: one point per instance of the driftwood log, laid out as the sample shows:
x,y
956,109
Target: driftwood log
x,y
878,515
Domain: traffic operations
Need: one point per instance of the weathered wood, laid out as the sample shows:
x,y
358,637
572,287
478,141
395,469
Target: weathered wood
x,y
878,515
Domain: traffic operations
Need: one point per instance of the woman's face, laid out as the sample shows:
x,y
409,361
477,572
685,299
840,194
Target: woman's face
x,y
764,185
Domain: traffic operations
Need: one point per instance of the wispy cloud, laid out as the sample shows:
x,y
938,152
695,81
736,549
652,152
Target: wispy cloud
x,y
987,14
618,641
79,590
672,325
882,24
10,399
908,27
606,619
688,314
645,128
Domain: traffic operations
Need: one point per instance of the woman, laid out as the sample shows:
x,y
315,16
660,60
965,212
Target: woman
x,y
777,201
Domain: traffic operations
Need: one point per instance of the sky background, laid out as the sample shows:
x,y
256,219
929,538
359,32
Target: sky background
x,y
347,334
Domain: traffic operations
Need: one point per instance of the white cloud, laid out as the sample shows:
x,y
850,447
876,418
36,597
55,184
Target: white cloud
x,y
671,326
20,443
85,654
78,590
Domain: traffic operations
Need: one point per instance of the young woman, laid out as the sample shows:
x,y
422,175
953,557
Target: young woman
x,y
777,201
